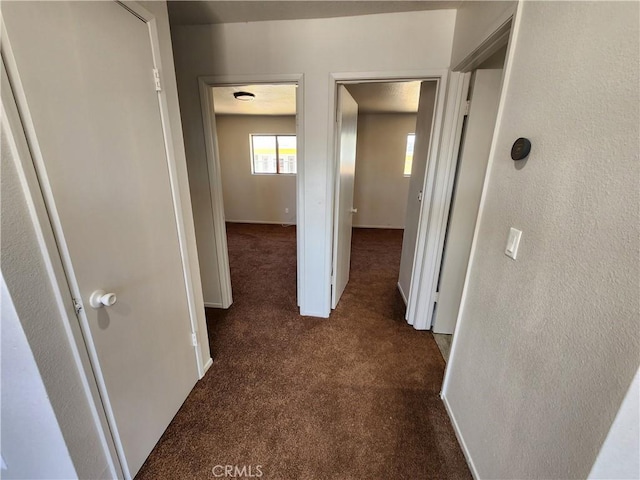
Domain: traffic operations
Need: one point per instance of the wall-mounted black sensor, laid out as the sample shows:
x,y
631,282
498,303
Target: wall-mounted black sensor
x,y
521,148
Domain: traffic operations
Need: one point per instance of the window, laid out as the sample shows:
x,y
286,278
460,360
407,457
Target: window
x,y
408,156
273,154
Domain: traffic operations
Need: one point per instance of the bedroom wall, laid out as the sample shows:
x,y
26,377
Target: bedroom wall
x,y
547,345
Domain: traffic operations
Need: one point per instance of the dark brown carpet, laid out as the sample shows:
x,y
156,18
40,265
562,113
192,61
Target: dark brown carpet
x,y
354,396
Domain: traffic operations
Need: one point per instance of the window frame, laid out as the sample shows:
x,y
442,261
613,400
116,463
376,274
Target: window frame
x,y
404,166
275,135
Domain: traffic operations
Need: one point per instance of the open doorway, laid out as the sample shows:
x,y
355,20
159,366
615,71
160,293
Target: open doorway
x,y
450,182
254,131
383,134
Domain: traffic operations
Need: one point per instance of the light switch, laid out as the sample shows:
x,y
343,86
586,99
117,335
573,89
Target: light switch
x,y
512,243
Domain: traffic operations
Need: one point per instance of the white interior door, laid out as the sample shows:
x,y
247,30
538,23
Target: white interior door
x,y
472,166
347,129
87,73
424,123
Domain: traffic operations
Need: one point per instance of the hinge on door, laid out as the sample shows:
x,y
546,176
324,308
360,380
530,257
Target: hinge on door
x,y
194,339
77,306
436,297
467,106
156,79
333,279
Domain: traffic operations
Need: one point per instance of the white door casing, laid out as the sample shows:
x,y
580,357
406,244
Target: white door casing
x,y
87,73
424,123
474,158
347,118
206,83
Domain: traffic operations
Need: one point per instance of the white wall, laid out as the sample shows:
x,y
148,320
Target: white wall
x,y
475,22
547,345
32,443
247,197
380,185
619,457
315,48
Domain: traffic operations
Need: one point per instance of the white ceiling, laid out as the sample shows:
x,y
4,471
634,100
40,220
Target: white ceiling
x,y
186,12
389,97
269,100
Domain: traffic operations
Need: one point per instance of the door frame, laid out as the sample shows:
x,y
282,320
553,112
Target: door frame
x,y
427,218
205,83
506,32
56,253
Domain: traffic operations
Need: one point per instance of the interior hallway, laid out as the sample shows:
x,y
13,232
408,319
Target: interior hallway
x,y
355,396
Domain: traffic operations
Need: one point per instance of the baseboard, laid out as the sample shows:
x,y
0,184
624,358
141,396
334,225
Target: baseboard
x,y
261,222
212,305
404,297
207,365
463,445
314,314
385,227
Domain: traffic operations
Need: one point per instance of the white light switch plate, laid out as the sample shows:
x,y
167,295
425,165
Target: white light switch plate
x,y
512,243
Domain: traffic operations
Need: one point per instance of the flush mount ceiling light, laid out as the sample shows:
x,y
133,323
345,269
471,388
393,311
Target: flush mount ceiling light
x,y
244,96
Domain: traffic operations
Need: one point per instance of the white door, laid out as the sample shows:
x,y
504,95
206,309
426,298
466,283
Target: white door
x,y
472,166
87,73
343,218
424,122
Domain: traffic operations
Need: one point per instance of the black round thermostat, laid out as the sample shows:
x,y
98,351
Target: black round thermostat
x,y
521,148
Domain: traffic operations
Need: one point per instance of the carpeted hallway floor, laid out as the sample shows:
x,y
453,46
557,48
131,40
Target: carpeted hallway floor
x,y
354,396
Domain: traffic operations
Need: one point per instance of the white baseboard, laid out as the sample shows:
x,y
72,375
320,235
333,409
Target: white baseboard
x,y
213,305
208,364
404,297
314,314
463,445
261,222
386,227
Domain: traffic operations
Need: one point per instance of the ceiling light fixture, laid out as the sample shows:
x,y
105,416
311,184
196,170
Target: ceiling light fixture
x,y
244,96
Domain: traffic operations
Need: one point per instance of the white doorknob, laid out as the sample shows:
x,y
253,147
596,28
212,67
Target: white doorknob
x,y
354,210
100,298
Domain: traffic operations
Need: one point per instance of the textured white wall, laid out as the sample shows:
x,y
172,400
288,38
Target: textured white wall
x,y
247,197
380,185
315,48
547,345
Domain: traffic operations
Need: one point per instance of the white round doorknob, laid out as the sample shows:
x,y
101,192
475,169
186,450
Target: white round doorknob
x,y
100,298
